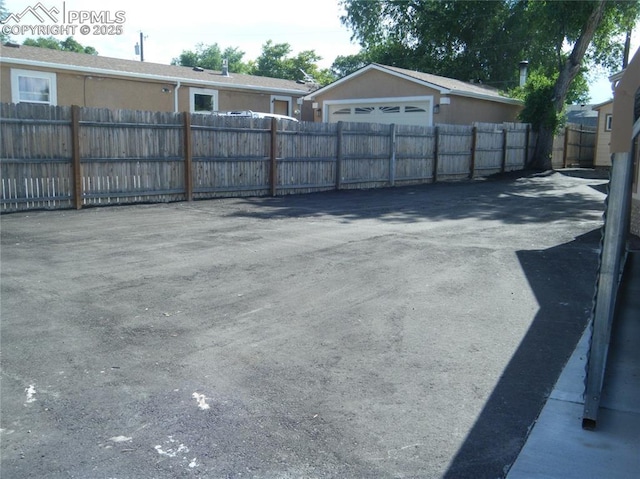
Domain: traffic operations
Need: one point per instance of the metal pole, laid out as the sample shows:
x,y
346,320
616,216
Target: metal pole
x,y
611,264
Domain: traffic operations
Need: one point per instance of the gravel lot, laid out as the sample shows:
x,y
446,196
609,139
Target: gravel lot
x,y
395,333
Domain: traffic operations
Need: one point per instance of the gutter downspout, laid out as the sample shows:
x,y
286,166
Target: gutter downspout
x,y
175,97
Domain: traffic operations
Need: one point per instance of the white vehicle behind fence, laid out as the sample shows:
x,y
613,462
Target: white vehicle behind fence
x,y
254,114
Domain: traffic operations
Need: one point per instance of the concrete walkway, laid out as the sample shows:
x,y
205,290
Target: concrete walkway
x,y
558,447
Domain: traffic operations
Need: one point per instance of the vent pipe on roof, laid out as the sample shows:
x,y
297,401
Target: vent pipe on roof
x,y
523,72
225,67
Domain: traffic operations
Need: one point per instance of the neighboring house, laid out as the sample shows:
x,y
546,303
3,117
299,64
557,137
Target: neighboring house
x,y
40,75
383,94
625,132
603,134
584,115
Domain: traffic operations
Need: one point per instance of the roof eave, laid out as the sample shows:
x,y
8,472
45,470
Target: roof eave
x,y
374,66
144,76
442,90
480,96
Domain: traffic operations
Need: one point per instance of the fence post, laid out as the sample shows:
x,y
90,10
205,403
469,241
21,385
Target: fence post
x,y
580,147
566,147
472,167
436,132
75,156
392,157
188,172
503,167
339,156
273,157
526,147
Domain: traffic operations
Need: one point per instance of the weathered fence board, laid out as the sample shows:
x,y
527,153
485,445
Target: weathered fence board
x,y
574,146
64,157
415,150
35,147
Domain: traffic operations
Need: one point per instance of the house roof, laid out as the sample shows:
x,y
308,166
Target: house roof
x,y
600,105
582,114
446,86
81,62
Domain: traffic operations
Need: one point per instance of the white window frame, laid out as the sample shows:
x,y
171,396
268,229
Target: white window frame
x,y
288,99
607,121
16,73
202,91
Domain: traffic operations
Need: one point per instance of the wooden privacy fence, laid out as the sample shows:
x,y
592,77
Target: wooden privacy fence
x,y
574,146
68,157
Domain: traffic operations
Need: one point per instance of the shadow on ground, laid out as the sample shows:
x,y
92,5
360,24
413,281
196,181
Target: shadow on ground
x,y
500,198
532,372
501,429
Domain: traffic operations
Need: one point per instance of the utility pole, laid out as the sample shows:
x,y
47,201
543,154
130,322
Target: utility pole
x,y
140,47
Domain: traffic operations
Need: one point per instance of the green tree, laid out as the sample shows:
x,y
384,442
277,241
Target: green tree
x,y
485,40
535,94
275,62
68,45
345,65
211,56
3,14
458,39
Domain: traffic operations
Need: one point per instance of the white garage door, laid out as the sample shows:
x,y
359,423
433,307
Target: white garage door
x,y
398,112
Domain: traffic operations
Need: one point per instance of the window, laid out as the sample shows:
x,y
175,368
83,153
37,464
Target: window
x,y
203,100
414,109
607,122
364,110
343,111
281,105
30,86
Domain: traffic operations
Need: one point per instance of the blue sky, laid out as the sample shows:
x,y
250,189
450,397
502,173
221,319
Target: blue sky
x,y
246,24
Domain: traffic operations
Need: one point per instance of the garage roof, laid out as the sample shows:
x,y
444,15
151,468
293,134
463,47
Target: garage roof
x,y
446,86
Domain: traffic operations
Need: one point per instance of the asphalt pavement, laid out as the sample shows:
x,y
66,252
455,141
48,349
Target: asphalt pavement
x,y
412,332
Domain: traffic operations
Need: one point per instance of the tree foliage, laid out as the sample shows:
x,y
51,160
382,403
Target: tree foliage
x,y
484,41
3,14
536,94
275,61
68,45
210,57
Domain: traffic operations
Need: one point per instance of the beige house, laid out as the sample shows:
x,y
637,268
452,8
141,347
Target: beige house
x,y
625,132
602,155
40,75
383,94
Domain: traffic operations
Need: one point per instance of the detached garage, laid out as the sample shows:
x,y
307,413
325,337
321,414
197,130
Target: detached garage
x,y
383,94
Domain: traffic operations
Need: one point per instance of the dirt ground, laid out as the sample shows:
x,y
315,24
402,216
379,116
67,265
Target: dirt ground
x,y
412,332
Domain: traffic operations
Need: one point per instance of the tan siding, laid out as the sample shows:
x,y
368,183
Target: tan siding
x,y
603,138
5,84
134,94
376,84
464,111
235,100
461,110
